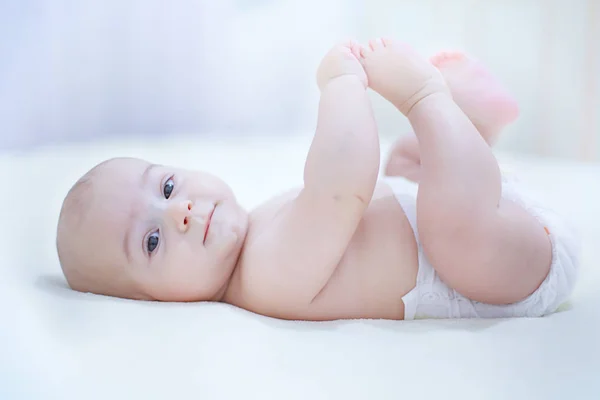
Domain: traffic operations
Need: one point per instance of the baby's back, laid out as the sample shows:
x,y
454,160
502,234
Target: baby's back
x,y
378,267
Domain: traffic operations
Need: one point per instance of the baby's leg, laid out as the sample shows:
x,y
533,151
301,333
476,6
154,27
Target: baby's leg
x,y
488,249
477,92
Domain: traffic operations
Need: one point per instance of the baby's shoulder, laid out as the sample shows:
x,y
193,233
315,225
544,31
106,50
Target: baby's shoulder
x,y
256,261
265,212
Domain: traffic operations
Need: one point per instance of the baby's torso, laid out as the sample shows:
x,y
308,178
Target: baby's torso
x,y
378,267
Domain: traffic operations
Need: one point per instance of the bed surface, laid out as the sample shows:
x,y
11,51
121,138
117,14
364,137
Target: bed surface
x,y
58,344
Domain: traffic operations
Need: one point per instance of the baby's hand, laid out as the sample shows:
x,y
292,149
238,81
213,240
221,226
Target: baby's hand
x,y
342,59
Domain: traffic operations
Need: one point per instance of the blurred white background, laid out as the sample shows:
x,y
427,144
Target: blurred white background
x,y
73,71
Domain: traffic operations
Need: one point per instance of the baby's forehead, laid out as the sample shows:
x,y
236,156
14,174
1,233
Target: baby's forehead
x,y
120,166
97,208
107,187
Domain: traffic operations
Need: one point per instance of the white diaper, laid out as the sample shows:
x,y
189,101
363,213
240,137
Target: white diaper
x,y
431,298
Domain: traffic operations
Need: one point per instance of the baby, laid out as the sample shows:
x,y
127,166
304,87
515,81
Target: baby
x,y
344,246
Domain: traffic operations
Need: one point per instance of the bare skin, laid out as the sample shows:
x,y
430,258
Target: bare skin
x,y
369,259
486,248
477,92
274,260
341,246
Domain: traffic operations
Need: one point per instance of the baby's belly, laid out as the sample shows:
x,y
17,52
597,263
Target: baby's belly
x,y
379,267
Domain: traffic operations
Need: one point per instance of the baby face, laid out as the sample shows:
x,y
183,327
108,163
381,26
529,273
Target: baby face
x,y
176,234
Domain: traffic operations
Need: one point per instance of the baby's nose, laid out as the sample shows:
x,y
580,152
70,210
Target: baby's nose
x,y
181,214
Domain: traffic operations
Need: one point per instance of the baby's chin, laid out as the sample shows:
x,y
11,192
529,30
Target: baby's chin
x,y
227,230
227,254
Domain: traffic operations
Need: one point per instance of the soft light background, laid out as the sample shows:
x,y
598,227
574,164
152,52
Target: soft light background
x,y
81,70
95,71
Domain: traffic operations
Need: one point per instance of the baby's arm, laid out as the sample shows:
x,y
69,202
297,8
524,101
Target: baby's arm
x,y
343,161
310,236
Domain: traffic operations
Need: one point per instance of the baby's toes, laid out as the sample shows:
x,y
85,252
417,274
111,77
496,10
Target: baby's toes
x,y
389,42
364,52
376,44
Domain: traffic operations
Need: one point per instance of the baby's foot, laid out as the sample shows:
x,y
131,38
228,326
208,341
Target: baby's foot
x,y
342,59
404,159
399,74
479,94
481,97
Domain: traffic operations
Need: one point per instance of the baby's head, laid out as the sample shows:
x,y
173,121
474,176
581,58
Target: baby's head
x,y
137,230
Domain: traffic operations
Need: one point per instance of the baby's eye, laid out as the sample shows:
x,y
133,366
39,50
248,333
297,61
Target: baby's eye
x,y
168,188
152,242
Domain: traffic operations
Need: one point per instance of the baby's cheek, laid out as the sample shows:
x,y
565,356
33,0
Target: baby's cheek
x,y
180,273
182,260
227,243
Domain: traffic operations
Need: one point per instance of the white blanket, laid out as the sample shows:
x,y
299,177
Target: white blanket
x,y
55,343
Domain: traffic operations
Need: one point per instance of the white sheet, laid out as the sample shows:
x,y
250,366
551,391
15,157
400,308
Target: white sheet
x,y
55,343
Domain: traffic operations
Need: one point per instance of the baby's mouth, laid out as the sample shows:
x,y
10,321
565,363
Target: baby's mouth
x,y
207,226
